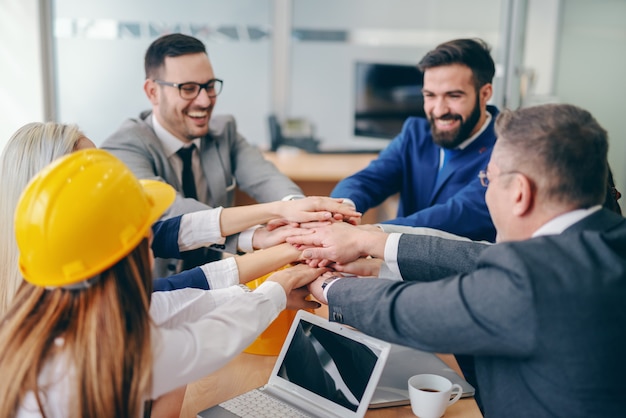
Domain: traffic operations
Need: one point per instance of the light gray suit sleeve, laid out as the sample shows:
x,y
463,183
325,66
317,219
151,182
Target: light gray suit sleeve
x,y
256,176
489,311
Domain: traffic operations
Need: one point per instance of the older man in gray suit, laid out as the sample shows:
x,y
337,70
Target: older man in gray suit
x,y
543,309
204,158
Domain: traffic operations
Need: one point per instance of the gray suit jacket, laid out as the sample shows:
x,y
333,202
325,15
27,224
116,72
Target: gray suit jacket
x,y
228,161
545,318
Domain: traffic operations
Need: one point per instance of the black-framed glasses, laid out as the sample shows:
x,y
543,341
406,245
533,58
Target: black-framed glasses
x,y
191,90
484,180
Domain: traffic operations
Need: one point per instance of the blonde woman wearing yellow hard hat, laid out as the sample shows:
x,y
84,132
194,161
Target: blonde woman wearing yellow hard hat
x,y
84,310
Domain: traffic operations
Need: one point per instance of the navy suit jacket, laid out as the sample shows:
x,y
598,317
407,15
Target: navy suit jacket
x,y
165,244
452,200
545,317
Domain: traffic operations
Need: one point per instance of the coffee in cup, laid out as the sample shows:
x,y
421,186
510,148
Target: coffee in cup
x,y
430,395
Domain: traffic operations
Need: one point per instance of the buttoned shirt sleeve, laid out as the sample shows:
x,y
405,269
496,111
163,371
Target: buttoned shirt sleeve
x,y
221,273
199,347
200,229
245,239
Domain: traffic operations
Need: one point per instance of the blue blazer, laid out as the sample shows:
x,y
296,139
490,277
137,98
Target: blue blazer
x,y
452,200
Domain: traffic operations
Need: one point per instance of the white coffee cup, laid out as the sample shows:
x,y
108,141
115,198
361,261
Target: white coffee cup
x,y
430,395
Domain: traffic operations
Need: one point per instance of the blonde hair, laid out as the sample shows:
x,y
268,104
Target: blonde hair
x,y
105,332
31,148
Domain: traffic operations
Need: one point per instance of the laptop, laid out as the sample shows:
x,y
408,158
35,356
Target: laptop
x,y
324,369
404,362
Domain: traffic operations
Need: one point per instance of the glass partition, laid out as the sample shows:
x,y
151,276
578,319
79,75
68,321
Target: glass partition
x,y
100,45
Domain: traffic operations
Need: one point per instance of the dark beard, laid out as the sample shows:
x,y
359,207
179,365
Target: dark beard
x,y
452,139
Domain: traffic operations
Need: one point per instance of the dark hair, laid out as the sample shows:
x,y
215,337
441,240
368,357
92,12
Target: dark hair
x,y
473,53
173,45
612,195
561,147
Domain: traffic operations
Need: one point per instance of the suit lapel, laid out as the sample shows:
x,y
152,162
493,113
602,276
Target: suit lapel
x,y
460,158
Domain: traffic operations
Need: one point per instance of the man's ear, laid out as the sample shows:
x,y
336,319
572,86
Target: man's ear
x,y
485,94
524,197
151,90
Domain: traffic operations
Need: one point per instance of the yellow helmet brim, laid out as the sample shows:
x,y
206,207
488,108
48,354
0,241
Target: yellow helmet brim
x,y
161,194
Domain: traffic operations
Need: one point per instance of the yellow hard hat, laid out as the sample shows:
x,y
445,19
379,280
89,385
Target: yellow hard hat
x,y
82,214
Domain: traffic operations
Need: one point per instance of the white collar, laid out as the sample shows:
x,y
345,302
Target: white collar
x,y
562,222
169,141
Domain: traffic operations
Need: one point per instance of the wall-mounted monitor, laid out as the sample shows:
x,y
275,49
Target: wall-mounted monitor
x,y
385,95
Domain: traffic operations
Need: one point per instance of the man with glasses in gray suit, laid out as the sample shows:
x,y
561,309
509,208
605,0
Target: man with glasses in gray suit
x,y
179,141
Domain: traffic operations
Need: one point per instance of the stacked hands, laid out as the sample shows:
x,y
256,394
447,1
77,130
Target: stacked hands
x,y
329,240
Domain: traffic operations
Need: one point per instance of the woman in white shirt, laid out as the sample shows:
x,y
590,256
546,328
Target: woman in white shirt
x,y
78,339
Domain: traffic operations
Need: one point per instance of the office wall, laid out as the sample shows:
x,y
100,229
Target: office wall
x,y
21,85
590,70
100,47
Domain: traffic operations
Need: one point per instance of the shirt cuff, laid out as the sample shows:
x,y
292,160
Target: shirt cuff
x,y
391,253
222,273
274,292
328,286
245,239
200,229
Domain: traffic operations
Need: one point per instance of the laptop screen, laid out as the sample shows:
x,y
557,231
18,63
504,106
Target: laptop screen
x,y
329,364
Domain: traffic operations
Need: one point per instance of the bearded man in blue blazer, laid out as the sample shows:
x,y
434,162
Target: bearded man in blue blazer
x,y
542,310
433,162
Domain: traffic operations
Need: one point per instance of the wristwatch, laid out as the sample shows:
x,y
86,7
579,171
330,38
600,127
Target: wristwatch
x,y
329,281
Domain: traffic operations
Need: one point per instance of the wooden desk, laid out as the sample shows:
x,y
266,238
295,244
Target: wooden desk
x,y
318,168
318,174
249,371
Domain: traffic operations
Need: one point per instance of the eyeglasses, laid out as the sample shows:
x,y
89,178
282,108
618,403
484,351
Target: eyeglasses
x,y
484,180
191,90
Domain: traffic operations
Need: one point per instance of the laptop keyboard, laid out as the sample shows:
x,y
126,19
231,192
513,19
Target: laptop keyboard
x,y
256,404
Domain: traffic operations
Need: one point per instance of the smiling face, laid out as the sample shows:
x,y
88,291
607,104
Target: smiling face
x,y
185,119
454,108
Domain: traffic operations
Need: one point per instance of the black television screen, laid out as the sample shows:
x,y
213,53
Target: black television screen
x,y
385,95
